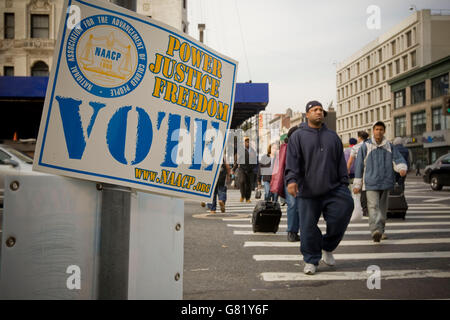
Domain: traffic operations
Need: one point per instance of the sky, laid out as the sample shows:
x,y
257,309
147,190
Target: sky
x,y
295,45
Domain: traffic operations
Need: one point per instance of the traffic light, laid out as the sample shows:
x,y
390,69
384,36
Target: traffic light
x,y
446,106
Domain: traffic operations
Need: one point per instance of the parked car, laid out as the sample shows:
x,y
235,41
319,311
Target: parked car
x,y
12,160
438,173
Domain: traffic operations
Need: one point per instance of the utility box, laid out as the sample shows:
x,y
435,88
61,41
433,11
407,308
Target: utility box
x,y
51,240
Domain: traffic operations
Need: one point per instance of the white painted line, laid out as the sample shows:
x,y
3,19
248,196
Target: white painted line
x,y
357,225
283,244
324,276
363,232
358,256
411,216
438,199
407,196
428,210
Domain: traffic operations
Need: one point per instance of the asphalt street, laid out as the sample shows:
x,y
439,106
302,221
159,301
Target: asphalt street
x,y
224,259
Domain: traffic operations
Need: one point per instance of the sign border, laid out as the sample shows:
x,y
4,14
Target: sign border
x,y
55,76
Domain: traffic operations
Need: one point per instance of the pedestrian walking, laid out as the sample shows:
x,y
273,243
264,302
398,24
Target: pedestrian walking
x,y
374,172
293,219
220,190
246,163
347,151
418,164
316,174
362,136
265,173
398,144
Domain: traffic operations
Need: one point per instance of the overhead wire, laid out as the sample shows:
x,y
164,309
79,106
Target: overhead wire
x,y
243,40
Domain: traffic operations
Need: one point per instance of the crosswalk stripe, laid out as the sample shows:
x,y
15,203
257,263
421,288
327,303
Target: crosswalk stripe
x,y
357,225
358,256
285,244
363,218
362,232
324,276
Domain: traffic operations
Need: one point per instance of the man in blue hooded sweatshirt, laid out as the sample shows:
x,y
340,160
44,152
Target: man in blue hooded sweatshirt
x,y
316,174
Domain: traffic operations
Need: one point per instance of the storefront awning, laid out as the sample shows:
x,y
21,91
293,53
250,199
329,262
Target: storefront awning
x,y
23,87
249,100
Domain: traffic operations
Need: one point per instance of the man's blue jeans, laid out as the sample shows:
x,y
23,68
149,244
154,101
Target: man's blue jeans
x,y
337,207
292,213
222,193
269,196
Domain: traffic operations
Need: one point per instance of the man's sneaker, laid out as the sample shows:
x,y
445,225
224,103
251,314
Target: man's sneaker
x,y
376,236
222,206
309,269
384,236
328,258
293,237
212,212
203,204
242,199
248,201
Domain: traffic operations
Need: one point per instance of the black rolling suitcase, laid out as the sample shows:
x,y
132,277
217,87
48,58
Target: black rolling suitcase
x,y
266,216
397,205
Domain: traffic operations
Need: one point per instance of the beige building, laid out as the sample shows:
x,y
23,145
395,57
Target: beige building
x,y
418,115
171,12
29,29
363,93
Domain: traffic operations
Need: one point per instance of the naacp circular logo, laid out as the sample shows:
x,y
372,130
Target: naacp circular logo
x,y
106,56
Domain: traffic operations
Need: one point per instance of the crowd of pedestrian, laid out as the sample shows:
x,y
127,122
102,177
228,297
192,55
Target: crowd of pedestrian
x,y
316,176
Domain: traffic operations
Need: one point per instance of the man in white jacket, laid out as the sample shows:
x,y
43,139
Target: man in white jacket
x,y
374,172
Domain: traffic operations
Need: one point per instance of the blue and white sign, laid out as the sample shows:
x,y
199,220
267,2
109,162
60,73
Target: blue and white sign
x,y
134,102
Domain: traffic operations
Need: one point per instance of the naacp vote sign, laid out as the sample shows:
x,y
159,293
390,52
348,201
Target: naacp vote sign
x,y
134,102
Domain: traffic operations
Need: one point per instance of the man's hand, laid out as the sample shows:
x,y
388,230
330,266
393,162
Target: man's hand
x,y
356,190
402,173
292,189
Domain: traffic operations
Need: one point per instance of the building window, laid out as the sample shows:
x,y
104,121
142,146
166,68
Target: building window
x,y
8,71
380,55
39,69
439,86
380,94
405,63
39,26
384,112
419,123
390,70
393,48
437,119
383,73
418,93
408,39
377,76
397,66
357,68
368,99
413,59
400,126
368,62
9,25
399,99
